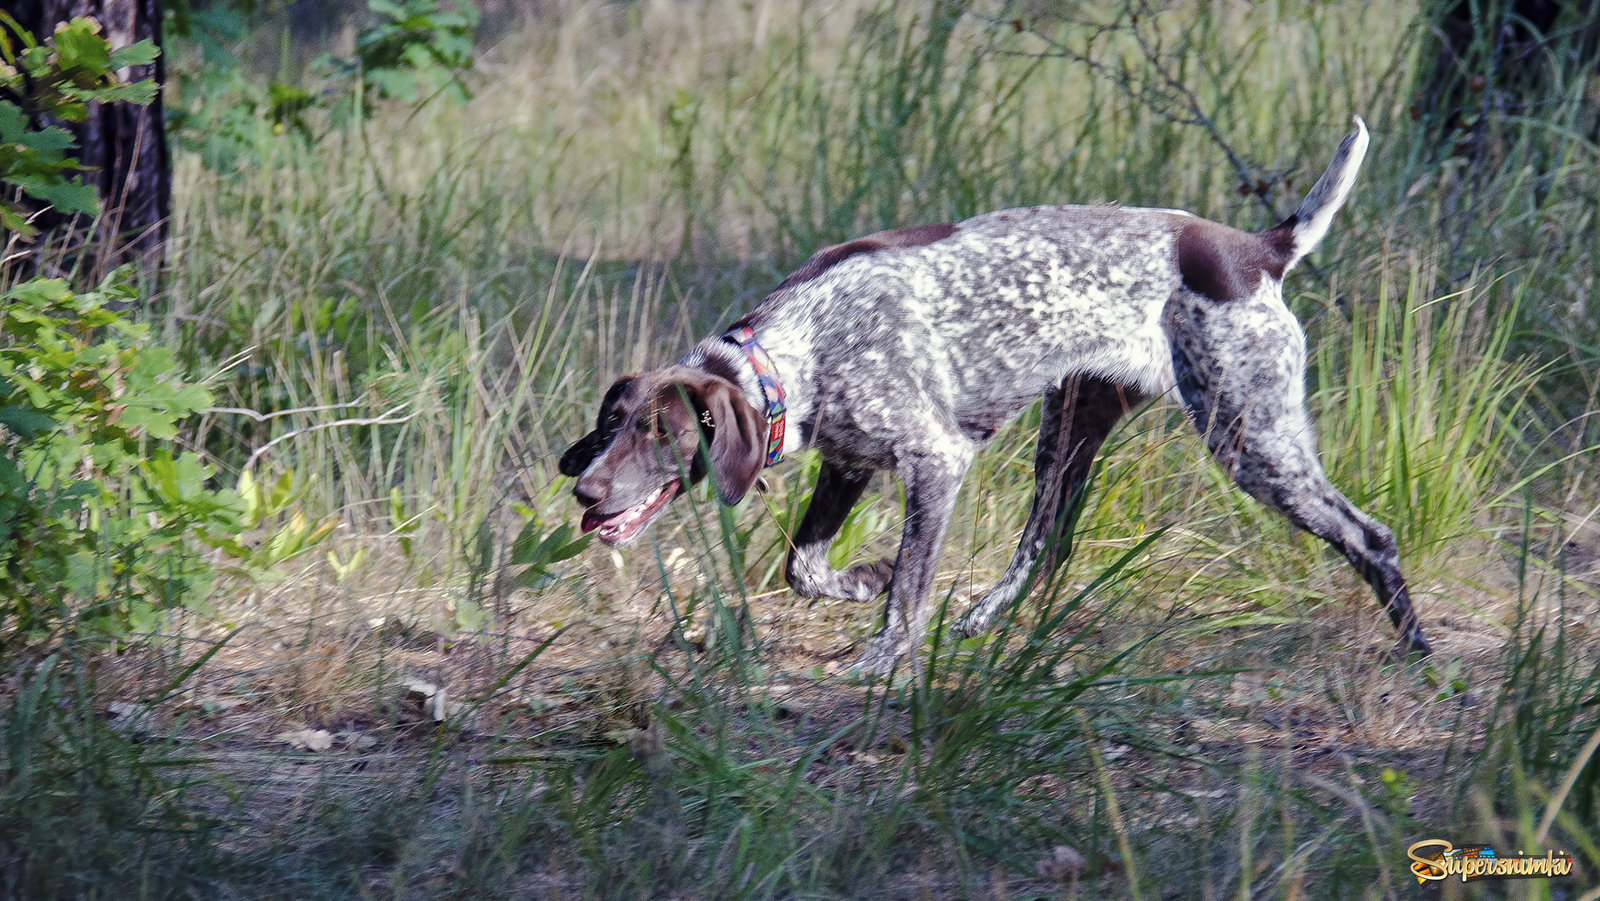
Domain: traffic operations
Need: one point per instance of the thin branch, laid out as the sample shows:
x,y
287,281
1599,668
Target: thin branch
x,y
232,362
1169,97
263,417
1198,116
386,418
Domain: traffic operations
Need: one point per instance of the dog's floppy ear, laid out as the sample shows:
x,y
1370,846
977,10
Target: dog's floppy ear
x,y
738,440
582,453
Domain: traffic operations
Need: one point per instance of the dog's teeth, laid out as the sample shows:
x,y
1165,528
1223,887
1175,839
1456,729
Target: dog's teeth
x,y
623,525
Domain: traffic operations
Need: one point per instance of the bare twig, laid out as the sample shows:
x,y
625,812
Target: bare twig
x,y
1170,97
1198,116
263,417
229,364
388,417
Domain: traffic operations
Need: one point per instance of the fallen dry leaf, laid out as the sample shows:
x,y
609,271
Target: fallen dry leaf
x,y
316,740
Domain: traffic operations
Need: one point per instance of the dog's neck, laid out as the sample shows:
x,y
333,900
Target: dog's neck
x,y
788,345
727,360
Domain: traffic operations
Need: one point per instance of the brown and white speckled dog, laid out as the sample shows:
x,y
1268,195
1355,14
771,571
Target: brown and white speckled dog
x,y
907,350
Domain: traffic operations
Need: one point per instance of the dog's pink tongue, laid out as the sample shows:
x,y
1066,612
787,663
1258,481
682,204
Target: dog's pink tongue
x,y
591,521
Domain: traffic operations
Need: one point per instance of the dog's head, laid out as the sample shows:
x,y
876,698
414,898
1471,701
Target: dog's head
x,y
656,434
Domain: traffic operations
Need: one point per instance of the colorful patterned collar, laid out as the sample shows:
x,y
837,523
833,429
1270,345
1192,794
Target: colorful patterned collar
x,y
767,375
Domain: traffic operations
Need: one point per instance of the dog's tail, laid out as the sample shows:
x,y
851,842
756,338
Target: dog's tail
x,y
1310,222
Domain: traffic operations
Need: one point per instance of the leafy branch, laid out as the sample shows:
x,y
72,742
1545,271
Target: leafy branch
x,y
56,80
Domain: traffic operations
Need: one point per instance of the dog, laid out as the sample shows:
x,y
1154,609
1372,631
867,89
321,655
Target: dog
x,y
907,350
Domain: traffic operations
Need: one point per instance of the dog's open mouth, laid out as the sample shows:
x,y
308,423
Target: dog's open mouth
x,y
622,527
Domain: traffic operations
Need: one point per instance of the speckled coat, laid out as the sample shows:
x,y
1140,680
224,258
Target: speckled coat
x,y
907,350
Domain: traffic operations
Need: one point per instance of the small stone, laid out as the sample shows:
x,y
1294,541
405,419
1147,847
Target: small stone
x,y
1063,865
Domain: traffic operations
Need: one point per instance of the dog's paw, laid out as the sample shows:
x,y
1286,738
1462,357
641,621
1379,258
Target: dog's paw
x,y
1413,644
861,583
866,581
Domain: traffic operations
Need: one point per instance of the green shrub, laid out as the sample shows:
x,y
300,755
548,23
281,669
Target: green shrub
x,y
101,514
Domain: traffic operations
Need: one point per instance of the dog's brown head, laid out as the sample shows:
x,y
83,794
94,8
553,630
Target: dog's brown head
x,y
657,433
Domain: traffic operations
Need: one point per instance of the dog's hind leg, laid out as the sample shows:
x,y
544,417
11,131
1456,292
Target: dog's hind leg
x,y
1240,369
807,570
1076,418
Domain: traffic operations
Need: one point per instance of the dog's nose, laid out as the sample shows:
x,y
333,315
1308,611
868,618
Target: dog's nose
x,y
586,494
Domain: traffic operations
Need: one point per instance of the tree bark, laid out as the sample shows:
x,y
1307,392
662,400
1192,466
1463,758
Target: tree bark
x,y
124,146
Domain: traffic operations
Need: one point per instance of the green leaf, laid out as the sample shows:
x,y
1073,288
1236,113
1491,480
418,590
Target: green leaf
x,y
50,140
35,60
25,421
83,574
72,112
558,547
13,122
15,129
384,7
156,423
80,50
140,54
40,292
138,93
153,362
14,221
538,553
189,399
67,196
288,99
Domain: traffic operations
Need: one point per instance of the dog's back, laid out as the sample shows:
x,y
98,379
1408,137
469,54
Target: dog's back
x,y
991,312
973,321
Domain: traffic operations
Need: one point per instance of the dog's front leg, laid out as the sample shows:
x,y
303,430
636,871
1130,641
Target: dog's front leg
x,y
838,490
1076,418
932,480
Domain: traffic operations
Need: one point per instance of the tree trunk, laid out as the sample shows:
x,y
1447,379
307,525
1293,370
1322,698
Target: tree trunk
x,y
123,145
